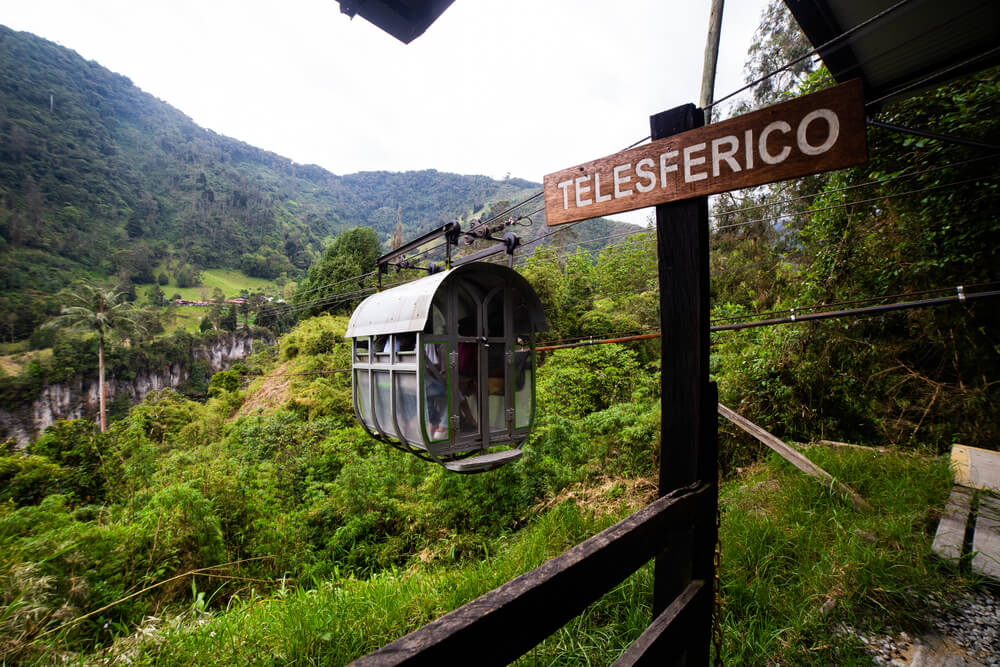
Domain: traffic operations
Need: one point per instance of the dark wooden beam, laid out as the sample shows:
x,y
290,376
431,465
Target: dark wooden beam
x,y
688,425
658,644
508,621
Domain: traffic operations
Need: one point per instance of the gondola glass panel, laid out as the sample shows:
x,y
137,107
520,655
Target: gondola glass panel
x,y
406,406
383,404
496,374
362,396
523,388
468,388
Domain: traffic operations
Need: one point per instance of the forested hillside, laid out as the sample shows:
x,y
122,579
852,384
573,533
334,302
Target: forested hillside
x,y
99,178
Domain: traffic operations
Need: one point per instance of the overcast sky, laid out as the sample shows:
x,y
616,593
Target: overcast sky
x,y
525,87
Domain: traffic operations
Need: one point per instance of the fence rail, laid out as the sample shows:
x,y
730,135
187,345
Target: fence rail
x,y
507,622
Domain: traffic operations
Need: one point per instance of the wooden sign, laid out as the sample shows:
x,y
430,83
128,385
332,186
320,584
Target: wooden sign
x,y
810,134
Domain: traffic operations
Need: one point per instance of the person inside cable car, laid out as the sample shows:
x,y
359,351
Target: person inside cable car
x,y
436,397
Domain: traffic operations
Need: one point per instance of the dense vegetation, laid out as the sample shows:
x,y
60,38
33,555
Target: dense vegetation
x,y
263,524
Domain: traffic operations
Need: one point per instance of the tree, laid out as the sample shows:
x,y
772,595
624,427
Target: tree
x,y
351,255
155,296
227,321
103,312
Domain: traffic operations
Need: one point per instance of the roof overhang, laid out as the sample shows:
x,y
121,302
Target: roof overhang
x,y
403,19
913,45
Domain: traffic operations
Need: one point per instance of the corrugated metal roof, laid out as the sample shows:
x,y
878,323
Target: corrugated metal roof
x,y
917,43
405,308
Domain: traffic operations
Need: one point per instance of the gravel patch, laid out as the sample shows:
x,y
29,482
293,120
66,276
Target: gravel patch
x,y
966,633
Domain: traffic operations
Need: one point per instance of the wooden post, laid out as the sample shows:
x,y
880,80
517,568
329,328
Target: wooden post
x,y
688,424
711,58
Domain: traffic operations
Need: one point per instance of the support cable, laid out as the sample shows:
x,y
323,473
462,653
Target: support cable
x,y
860,201
933,135
794,317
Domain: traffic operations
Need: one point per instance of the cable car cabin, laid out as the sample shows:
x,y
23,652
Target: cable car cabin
x,y
444,366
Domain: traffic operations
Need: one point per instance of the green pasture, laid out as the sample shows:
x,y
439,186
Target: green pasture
x,y
230,281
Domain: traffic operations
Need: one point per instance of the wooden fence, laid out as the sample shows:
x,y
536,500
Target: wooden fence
x,y
507,622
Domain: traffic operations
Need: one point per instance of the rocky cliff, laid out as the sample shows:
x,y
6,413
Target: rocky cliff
x,y
77,398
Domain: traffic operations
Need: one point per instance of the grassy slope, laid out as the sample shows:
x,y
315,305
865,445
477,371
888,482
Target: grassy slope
x,y
230,281
797,562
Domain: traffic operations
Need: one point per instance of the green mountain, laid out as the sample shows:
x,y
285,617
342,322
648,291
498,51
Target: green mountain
x,y
98,178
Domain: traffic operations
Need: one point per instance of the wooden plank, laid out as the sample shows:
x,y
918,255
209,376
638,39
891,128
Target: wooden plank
x,y
986,538
505,623
813,133
846,445
795,458
657,644
950,536
976,468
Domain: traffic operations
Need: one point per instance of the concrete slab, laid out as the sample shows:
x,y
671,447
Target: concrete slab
x,y
976,468
986,539
950,534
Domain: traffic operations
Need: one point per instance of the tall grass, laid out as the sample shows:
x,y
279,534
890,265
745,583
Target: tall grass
x,y
799,562
343,618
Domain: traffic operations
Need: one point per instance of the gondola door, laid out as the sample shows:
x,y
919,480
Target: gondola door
x,y
482,408
495,357
467,407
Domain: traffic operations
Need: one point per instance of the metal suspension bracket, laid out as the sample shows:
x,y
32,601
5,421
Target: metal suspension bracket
x,y
449,230
408,264
510,242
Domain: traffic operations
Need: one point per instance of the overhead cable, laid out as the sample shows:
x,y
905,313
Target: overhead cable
x,y
855,203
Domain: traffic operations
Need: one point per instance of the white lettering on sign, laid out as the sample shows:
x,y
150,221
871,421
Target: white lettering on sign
x,y
725,156
643,173
622,180
580,201
724,152
765,155
690,161
598,197
664,169
833,131
817,132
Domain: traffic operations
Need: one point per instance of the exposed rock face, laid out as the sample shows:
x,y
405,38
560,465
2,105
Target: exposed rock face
x,y
78,397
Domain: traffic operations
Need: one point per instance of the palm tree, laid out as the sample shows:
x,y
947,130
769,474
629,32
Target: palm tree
x,y
101,311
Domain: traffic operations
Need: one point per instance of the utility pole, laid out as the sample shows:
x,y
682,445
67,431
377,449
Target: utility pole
x,y
711,59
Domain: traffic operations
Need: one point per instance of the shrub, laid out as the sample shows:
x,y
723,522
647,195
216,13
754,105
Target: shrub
x,y
26,480
181,530
576,382
223,381
78,446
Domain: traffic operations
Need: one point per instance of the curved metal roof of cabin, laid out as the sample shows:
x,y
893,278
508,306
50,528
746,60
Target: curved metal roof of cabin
x,y
405,308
